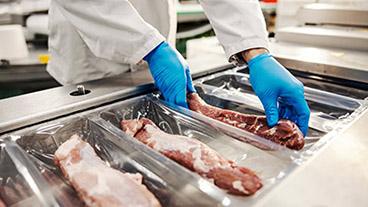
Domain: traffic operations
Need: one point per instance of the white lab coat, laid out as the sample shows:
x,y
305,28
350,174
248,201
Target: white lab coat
x,y
93,39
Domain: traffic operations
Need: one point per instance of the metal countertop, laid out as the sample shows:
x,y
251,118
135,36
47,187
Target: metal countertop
x,y
336,176
48,104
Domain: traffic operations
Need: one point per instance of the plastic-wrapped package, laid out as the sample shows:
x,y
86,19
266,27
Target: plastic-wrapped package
x,y
236,101
159,174
321,100
27,182
171,183
270,166
329,110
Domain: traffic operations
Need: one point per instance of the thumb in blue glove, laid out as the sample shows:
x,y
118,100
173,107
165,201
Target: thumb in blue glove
x,y
281,94
171,73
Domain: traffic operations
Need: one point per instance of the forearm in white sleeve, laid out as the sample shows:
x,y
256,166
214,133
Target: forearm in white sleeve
x,y
112,29
239,24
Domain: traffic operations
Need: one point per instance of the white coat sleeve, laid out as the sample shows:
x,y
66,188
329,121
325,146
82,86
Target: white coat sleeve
x,y
112,29
239,24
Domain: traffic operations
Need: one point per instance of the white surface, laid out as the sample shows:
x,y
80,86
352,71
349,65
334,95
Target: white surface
x,y
12,42
189,8
208,53
327,36
38,23
336,14
24,7
204,54
91,40
337,176
287,12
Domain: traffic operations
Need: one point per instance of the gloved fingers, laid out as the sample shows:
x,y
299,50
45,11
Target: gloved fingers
x,y
176,93
287,111
289,114
302,112
178,97
181,92
181,98
271,110
190,86
284,111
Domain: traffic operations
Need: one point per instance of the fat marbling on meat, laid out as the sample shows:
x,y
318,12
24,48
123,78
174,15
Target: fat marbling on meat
x,y
195,156
97,184
284,133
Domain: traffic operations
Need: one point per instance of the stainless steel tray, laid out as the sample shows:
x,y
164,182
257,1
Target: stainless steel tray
x,y
123,152
160,174
271,166
26,181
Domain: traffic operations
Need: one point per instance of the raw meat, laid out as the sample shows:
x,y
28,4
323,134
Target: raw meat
x,y
2,204
284,133
96,183
195,156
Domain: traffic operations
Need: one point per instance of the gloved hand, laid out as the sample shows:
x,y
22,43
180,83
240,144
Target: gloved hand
x,y
171,73
281,94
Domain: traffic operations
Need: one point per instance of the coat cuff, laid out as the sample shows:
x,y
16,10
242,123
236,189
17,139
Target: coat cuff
x,y
237,47
152,41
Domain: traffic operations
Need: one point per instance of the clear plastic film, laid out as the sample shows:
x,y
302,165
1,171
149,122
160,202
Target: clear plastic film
x,y
270,166
329,109
27,182
160,175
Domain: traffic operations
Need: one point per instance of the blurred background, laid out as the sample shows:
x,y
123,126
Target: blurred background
x,y
23,63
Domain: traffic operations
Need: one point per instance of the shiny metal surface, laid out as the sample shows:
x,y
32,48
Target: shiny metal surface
x,y
40,106
336,176
334,62
342,14
338,37
122,153
232,89
44,105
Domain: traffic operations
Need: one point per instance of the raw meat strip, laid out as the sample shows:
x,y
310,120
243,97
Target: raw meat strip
x,y
284,133
195,156
96,183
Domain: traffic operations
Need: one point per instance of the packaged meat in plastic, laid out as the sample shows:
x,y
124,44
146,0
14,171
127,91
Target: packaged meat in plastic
x,y
284,133
160,176
195,156
98,184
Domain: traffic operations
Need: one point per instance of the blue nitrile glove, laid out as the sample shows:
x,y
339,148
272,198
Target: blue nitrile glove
x,y
171,73
281,94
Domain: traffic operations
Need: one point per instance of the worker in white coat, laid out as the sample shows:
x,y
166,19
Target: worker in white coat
x,y
93,39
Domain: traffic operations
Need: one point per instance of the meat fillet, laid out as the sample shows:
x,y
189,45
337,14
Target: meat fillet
x,y
284,133
195,156
2,204
96,183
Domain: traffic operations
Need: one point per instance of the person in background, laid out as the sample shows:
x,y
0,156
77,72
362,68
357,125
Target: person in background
x,y
93,39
